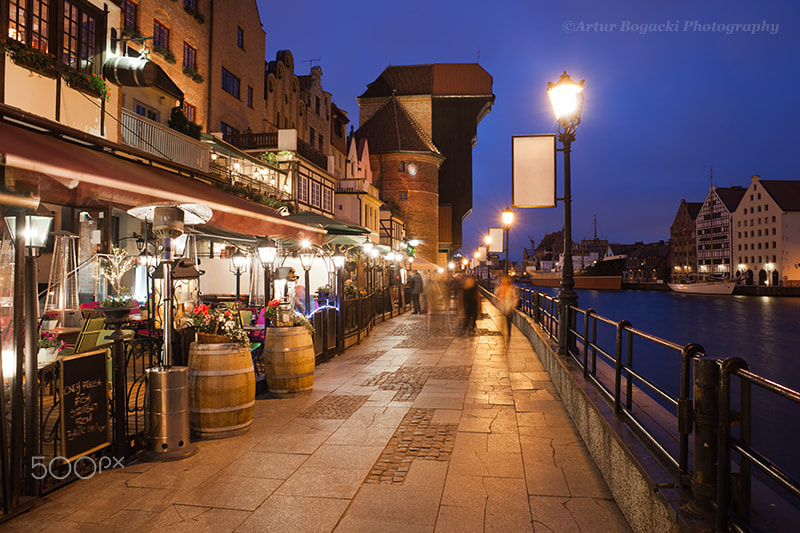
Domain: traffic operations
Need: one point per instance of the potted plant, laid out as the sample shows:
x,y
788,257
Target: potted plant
x,y
271,313
324,292
49,345
218,326
49,320
350,290
117,307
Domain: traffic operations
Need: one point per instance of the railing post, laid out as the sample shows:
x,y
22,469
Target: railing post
x,y
685,408
621,325
723,478
706,412
586,320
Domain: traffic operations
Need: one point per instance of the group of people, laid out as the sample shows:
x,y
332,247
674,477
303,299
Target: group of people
x,y
432,294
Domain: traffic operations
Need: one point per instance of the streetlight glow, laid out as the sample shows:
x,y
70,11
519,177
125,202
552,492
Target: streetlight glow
x,y
566,97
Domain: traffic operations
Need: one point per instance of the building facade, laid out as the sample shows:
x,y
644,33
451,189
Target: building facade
x,y
683,241
446,102
766,241
714,240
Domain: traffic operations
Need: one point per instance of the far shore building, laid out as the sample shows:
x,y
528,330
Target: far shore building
x,y
766,236
683,241
714,243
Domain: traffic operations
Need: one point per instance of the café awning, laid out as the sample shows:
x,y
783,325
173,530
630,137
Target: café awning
x,y
71,174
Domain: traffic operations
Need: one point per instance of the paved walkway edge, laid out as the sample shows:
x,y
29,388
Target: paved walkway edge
x,y
645,492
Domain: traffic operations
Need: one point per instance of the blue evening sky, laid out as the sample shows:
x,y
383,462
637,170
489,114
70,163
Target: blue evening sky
x,y
672,90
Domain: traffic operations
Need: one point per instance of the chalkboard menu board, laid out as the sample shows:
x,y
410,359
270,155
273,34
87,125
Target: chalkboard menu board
x,y
84,403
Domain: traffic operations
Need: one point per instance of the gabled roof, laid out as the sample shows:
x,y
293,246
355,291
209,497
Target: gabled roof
x,y
730,196
442,79
786,193
393,129
693,208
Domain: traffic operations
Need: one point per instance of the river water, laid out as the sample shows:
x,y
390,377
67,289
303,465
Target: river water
x,y
762,330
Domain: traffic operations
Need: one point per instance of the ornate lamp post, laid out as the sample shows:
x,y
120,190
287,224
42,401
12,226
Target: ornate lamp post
x,y
566,97
306,258
238,266
266,254
508,218
29,233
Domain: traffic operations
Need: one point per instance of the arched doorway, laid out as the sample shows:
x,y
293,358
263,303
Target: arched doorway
x,y
749,277
762,277
775,278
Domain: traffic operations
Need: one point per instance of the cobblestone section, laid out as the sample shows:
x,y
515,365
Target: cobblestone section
x,y
489,333
408,381
416,438
366,358
335,407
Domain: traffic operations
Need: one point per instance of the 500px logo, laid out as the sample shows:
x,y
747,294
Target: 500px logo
x,y
55,468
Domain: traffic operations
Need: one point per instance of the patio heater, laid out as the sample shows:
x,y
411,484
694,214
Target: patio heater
x,y
168,433
338,262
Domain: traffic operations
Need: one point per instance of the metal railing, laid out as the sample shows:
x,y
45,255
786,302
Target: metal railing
x,y
670,417
162,141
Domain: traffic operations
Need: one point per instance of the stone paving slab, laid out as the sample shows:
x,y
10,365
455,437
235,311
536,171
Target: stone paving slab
x,y
414,429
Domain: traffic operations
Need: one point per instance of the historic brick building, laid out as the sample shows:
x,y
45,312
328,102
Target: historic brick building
x,y
445,103
683,241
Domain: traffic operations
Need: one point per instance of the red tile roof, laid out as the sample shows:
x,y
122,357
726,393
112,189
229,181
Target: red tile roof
x,y
786,193
442,79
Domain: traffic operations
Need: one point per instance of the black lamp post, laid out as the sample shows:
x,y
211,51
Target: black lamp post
x,y
338,263
29,233
266,254
508,218
238,266
306,258
566,97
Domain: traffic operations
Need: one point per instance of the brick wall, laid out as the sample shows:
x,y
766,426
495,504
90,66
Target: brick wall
x,y
420,209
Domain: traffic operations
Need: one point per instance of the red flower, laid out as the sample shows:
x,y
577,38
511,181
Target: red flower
x,y
201,309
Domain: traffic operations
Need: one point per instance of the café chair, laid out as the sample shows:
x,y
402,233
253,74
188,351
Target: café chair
x,y
87,337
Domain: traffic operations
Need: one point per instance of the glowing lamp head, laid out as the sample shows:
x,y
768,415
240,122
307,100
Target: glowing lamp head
x,y
508,216
566,97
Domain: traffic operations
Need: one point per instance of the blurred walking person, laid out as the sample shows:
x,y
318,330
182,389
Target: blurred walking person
x,y
416,292
471,304
507,300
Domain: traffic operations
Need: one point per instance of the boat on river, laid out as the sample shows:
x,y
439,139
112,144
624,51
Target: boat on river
x,y
605,274
709,286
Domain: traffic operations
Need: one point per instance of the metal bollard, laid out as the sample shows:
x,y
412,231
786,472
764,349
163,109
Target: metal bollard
x,y
706,409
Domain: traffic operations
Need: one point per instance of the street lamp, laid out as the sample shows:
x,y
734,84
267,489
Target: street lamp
x,y
29,233
266,254
238,266
306,258
508,218
338,263
566,97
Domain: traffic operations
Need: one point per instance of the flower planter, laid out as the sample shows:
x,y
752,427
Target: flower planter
x,y
222,390
47,355
48,325
288,361
212,338
115,316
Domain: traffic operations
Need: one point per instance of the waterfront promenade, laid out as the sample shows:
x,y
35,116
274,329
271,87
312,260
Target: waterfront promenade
x,y
414,429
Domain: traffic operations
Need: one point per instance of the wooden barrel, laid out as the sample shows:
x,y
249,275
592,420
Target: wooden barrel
x,y
289,361
130,71
222,390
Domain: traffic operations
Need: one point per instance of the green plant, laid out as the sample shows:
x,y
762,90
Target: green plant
x,y
123,298
32,57
271,312
220,322
178,122
271,158
199,17
127,31
192,73
49,340
350,290
300,320
166,53
324,289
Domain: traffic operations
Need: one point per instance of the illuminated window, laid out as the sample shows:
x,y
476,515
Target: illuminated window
x,y
230,83
160,35
80,45
131,11
190,111
28,22
189,56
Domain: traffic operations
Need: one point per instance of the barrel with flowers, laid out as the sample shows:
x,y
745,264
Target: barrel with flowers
x,y
221,379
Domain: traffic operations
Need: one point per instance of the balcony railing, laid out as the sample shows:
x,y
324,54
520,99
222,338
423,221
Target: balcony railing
x,y
236,179
358,185
252,141
162,141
